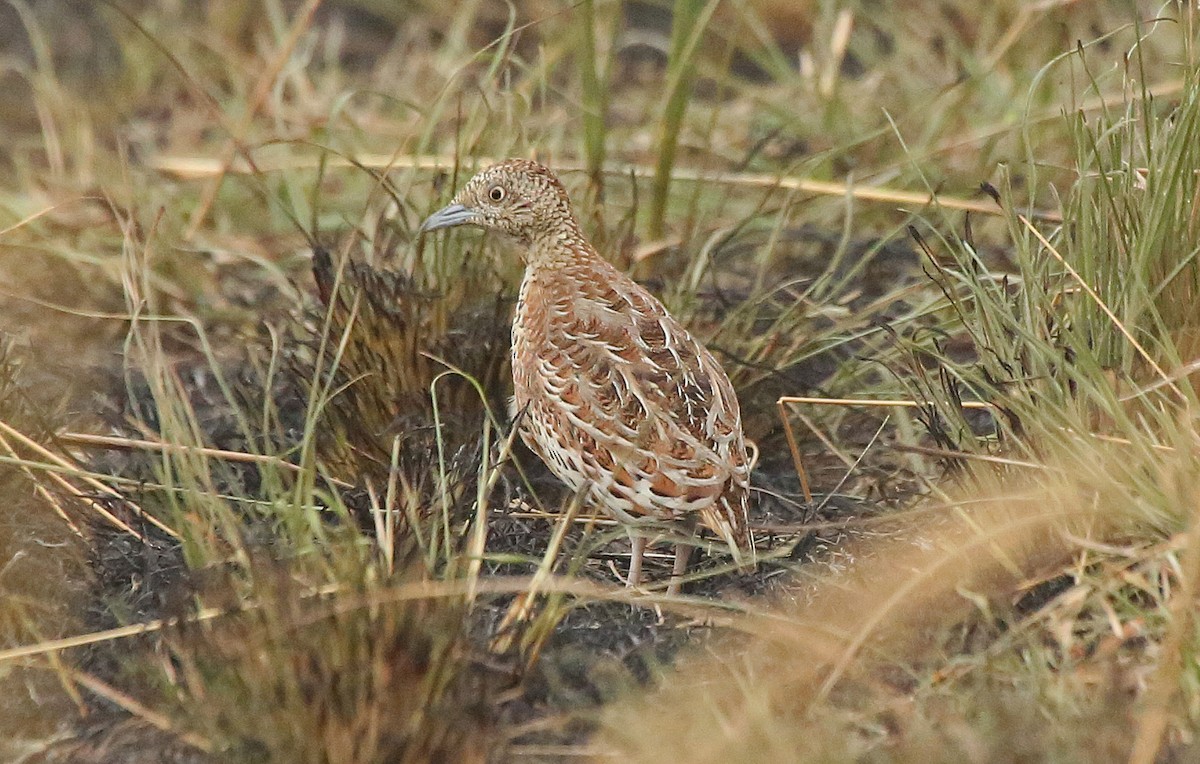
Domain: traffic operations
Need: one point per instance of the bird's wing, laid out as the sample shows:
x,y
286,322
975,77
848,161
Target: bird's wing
x,y
631,378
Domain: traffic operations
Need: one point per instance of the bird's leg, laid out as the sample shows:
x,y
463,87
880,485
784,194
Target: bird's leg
x,y
683,552
637,544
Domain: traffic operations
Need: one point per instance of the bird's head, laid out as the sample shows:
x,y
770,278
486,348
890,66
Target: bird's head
x,y
517,197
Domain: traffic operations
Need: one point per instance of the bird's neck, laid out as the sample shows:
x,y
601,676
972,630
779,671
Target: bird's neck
x,y
562,246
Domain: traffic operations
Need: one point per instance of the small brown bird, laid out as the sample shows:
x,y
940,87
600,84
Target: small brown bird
x,y
615,395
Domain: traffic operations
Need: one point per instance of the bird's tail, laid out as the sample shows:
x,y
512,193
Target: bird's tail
x,y
729,520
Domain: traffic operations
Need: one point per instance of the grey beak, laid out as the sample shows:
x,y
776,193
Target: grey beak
x,y
451,215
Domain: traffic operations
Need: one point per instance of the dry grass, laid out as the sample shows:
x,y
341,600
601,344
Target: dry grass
x,y
1009,625
307,533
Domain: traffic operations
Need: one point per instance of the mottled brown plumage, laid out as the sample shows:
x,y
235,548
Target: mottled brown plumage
x,y
615,395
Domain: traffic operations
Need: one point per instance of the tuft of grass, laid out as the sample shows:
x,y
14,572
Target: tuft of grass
x,y
1089,335
315,679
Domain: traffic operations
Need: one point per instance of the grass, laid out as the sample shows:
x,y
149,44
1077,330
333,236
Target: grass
x,y
381,574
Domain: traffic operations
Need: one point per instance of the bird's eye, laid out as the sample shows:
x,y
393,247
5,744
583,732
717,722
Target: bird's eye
x,y
496,193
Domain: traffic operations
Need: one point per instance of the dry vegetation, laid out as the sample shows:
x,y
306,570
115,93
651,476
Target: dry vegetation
x,y
263,499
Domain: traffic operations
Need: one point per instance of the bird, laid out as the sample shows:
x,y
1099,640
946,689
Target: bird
x,y
614,394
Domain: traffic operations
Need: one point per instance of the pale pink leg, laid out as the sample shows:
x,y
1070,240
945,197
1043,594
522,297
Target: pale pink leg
x,y
682,553
638,547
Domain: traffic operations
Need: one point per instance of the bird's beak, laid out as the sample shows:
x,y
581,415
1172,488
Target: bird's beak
x,y
450,215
